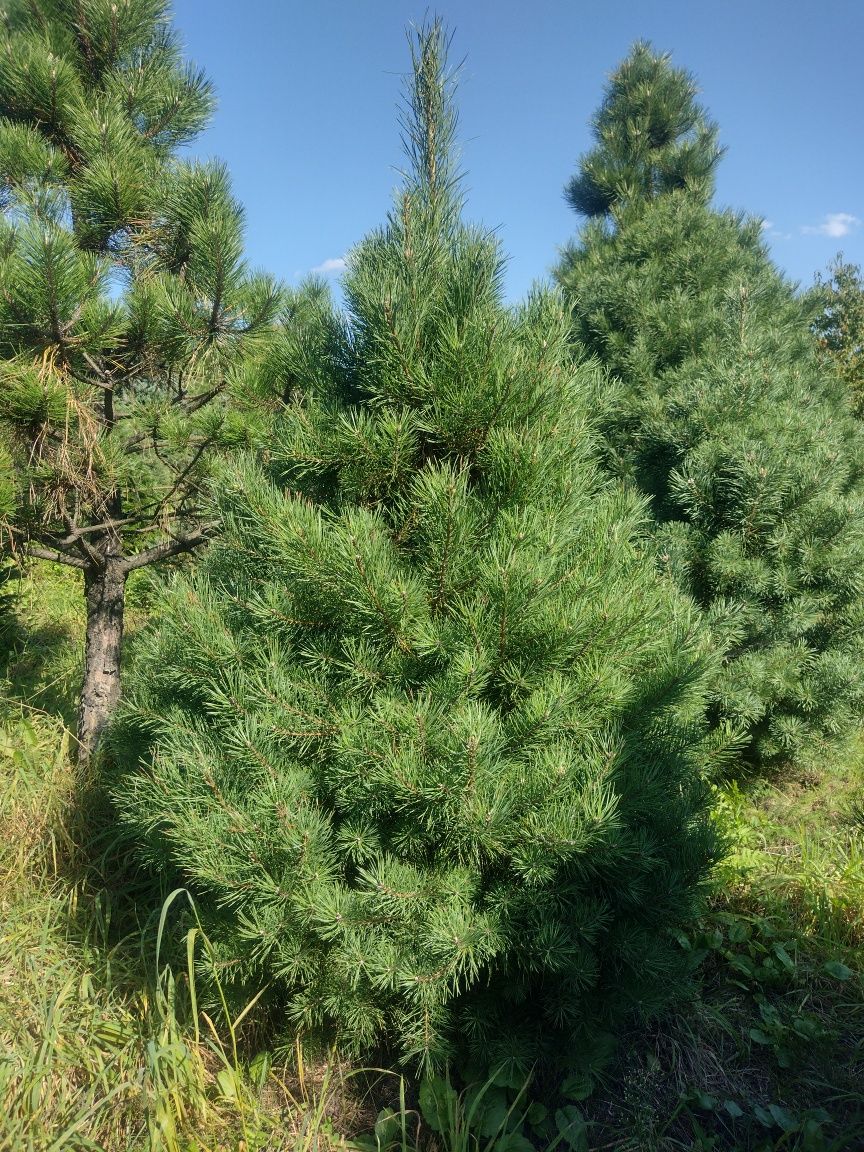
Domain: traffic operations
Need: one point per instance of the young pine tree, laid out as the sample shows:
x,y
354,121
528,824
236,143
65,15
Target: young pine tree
x,y
420,731
126,309
724,414
652,138
839,324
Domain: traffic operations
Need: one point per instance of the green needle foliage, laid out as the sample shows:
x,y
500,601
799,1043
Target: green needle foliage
x,y
126,309
421,730
652,137
725,415
839,325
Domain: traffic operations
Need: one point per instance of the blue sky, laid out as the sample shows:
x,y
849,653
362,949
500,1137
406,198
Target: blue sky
x,y
307,121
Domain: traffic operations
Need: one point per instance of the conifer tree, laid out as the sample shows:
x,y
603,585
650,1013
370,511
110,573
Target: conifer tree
x,y
721,411
839,324
419,732
126,309
652,137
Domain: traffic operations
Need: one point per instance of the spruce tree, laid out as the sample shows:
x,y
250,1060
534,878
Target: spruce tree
x,y
720,410
126,310
420,733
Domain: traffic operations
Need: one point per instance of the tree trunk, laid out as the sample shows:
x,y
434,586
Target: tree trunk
x,y
104,590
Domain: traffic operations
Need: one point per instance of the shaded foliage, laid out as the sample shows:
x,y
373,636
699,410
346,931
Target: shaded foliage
x,y
721,411
839,324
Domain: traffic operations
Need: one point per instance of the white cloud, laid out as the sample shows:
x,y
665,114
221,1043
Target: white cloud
x,y
774,233
334,264
835,224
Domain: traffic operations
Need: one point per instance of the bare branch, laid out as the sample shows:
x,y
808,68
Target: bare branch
x,y
75,537
173,547
181,477
57,556
193,403
105,380
104,526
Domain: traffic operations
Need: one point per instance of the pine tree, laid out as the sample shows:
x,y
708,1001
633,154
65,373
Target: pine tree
x,y
419,733
652,138
839,324
721,412
126,309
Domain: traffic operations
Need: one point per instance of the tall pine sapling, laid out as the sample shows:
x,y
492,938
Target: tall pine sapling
x,y
721,411
839,324
125,306
652,137
421,731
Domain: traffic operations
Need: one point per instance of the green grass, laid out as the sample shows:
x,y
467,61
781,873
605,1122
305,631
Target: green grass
x,y
99,1046
770,1055
103,1046
42,668
89,1060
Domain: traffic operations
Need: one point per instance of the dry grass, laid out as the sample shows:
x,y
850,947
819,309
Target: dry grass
x,y
97,1051
99,1045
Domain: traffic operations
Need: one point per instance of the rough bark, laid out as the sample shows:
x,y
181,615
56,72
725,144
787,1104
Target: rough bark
x,y
104,590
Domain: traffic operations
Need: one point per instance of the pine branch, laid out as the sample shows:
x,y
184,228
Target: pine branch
x,y
176,546
56,555
75,538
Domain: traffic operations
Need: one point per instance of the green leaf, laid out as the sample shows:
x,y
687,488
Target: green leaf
x,y
514,1142
490,1117
509,1076
733,1109
744,965
714,939
226,1079
388,1125
739,931
784,957
578,1087
537,1114
783,1118
837,970
805,1026
763,1116
572,1129
705,1101
438,1102
758,1036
